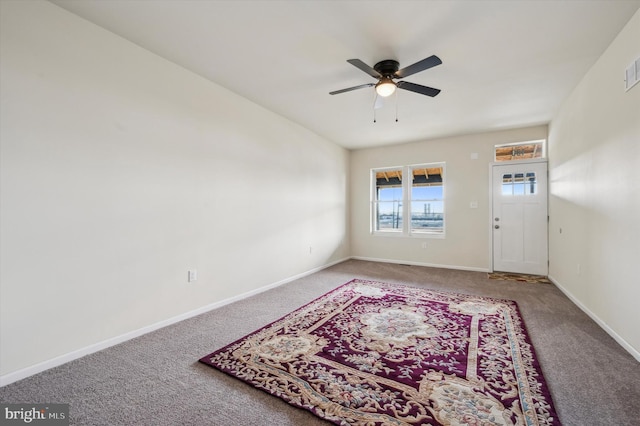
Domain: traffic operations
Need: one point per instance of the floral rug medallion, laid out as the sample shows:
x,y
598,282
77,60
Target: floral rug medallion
x,y
370,353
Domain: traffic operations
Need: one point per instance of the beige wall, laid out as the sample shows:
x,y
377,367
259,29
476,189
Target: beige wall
x,y
467,241
594,151
121,171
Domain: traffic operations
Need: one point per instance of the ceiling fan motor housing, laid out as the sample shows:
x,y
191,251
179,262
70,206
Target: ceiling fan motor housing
x,y
387,68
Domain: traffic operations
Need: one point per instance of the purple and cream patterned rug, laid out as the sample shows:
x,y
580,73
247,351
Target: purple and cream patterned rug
x,y
370,353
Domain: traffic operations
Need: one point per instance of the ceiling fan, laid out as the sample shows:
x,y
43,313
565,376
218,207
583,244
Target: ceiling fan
x,y
386,71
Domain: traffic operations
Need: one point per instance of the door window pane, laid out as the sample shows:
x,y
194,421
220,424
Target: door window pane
x,y
519,183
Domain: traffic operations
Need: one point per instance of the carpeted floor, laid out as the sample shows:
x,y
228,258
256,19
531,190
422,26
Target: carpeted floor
x,y
156,379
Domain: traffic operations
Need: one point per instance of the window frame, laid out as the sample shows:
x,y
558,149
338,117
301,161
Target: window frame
x,y
406,230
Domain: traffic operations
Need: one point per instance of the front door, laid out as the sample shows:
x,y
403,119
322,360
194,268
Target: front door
x,y
519,222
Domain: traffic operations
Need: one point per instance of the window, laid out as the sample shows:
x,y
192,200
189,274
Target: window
x,y
519,151
519,183
421,187
427,200
388,201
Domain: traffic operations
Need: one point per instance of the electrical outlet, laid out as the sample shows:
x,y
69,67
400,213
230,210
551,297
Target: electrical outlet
x,y
192,275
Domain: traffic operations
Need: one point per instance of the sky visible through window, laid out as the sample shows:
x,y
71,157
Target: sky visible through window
x,y
427,208
420,196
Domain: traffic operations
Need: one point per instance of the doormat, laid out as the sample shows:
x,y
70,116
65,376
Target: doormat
x,y
510,276
370,353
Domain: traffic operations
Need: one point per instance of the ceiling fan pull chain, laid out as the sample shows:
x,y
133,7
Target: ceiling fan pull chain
x,y
396,106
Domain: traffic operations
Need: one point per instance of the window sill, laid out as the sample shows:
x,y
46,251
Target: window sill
x,y
419,235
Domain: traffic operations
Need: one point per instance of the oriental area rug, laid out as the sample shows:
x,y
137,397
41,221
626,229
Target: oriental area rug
x,y
370,353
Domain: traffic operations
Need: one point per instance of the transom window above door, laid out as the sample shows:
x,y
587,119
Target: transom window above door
x,y
520,151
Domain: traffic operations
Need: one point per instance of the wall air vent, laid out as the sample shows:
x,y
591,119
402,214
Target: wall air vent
x,y
632,75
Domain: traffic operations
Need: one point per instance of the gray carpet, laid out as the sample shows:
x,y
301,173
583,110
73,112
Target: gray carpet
x,y
156,379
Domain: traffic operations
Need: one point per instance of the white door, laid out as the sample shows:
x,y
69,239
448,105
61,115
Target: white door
x,y
519,222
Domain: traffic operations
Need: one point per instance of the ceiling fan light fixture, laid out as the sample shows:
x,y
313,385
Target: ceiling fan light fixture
x,y
385,87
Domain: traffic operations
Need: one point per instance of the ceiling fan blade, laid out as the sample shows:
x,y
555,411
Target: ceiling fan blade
x,y
417,88
364,67
362,86
422,65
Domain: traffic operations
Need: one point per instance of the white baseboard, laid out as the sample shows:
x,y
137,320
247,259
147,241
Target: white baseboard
x,y
430,265
598,321
63,359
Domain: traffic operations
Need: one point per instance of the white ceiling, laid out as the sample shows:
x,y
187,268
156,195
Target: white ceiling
x,y
505,64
